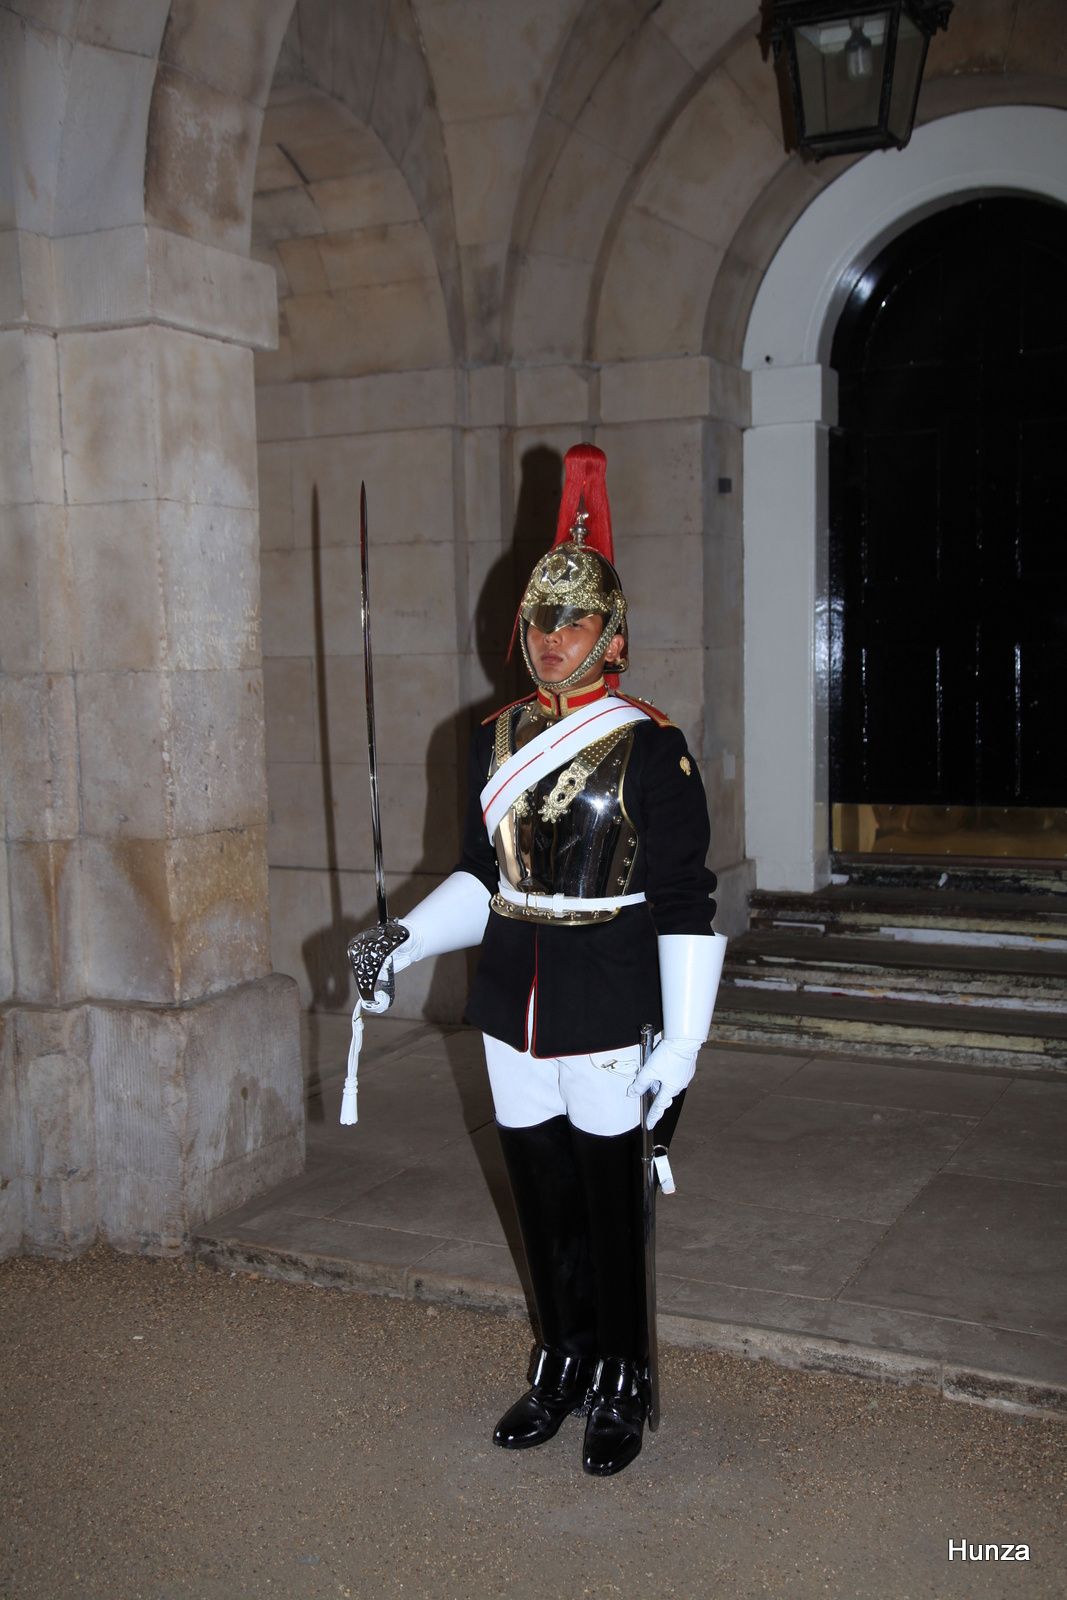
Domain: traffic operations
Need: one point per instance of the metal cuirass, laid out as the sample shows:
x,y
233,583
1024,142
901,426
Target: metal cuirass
x,y
570,833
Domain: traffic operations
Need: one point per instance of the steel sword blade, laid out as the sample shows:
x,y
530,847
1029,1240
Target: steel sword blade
x,y
368,684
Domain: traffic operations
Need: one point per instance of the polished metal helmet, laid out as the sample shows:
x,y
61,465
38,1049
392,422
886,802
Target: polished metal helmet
x,y
577,577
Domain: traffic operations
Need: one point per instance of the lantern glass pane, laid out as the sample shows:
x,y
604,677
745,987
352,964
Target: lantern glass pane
x,y
841,66
911,58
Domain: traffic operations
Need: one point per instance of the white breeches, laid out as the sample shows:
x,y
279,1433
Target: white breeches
x,y
590,1090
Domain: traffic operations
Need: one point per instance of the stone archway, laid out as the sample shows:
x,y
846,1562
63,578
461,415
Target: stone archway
x,y
786,349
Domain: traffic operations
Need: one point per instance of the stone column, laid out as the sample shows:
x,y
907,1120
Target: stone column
x,y
786,455
151,1067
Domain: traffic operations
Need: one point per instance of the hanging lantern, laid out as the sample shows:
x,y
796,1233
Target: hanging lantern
x,y
850,73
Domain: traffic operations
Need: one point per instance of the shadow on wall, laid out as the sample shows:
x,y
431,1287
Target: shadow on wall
x,y
537,507
536,511
324,950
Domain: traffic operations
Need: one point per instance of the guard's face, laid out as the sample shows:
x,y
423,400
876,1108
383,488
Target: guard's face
x,y
557,654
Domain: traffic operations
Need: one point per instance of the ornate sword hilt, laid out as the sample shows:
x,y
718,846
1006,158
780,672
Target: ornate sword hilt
x,y
369,953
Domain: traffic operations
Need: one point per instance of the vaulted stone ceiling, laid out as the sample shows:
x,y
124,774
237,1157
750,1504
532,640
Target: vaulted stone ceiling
x,y
577,154
605,178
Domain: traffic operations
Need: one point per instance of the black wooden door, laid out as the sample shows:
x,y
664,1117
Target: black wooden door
x,y
948,510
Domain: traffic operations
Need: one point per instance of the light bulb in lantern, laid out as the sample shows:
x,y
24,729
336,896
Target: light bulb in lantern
x,y
858,59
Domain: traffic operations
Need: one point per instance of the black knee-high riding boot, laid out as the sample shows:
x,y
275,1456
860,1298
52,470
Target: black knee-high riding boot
x,y
613,1176
550,1201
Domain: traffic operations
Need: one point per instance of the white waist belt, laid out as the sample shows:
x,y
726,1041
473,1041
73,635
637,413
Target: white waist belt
x,y
560,905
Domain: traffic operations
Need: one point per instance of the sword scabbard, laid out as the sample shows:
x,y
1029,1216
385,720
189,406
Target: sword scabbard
x,y
649,1180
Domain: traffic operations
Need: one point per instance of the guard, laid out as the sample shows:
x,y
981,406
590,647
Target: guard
x,y
583,879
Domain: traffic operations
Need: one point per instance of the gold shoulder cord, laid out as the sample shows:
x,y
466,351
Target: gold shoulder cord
x,y
502,739
501,752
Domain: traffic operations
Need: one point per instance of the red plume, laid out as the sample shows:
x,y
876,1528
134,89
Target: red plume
x,y
584,483
585,480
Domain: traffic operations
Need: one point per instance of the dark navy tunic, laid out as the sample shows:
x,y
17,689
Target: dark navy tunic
x,y
595,985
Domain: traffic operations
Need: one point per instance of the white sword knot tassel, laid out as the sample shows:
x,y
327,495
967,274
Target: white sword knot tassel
x,y
662,1163
349,1114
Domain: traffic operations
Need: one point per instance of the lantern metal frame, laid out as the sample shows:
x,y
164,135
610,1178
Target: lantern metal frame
x,y
784,17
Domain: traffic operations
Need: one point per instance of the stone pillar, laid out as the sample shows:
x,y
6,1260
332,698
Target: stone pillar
x,y
151,1068
786,454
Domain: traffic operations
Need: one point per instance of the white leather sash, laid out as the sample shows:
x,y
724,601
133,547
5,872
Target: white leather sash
x,y
557,744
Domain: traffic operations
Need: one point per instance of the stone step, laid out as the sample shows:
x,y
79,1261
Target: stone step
x,y
965,965
996,921
898,1029
939,974
956,876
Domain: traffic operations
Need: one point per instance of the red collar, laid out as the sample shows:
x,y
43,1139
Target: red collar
x,y
558,705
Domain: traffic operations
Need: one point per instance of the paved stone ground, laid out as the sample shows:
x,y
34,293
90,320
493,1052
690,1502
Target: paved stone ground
x,y
175,1433
873,1218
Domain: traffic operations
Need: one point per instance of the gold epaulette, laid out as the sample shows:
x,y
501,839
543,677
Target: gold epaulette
x,y
660,718
525,700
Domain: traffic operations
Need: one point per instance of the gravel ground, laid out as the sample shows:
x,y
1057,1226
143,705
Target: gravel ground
x,y
171,1433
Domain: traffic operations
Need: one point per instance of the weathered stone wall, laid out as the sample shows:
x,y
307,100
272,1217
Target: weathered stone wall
x,y
361,387
140,1012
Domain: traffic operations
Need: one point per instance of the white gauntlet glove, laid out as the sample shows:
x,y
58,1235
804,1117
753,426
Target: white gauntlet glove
x,y
690,966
